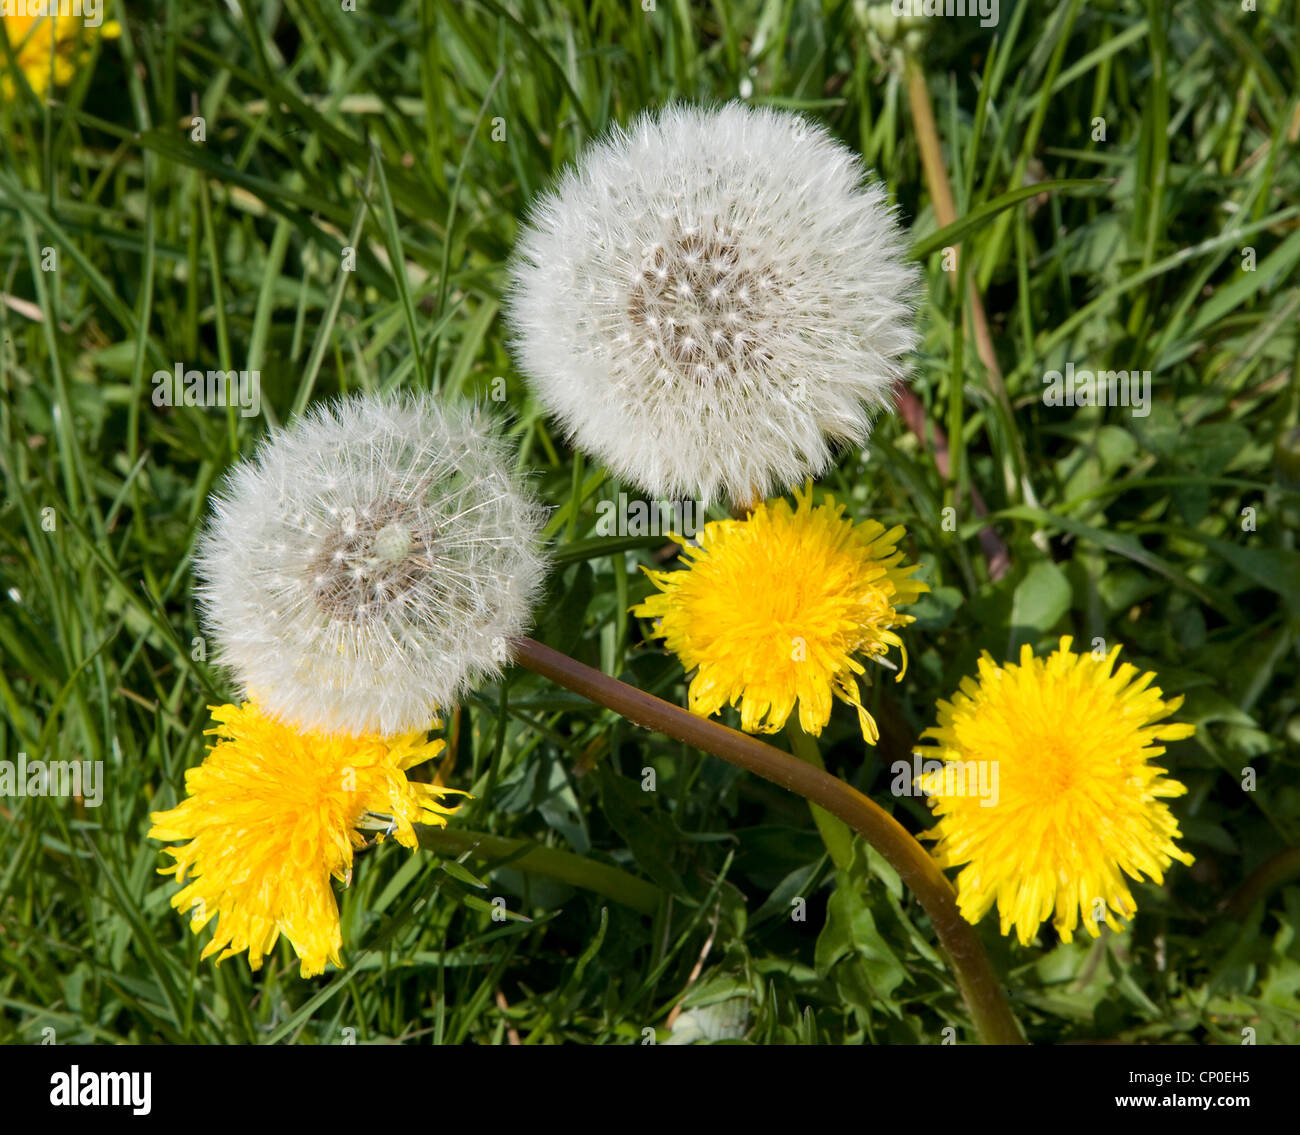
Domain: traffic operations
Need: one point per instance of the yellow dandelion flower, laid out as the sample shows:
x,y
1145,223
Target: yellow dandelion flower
x,y
48,48
1067,802
780,607
273,814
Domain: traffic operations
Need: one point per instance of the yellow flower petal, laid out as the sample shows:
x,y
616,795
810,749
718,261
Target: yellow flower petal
x,y
1067,742
273,814
777,609
37,40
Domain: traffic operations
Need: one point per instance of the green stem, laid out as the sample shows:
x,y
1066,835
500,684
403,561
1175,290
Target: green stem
x,y
836,834
576,870
978,981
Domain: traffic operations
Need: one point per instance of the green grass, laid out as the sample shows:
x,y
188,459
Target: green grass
x,y
375,130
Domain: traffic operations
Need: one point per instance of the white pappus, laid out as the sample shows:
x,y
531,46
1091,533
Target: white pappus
x,y
369,564
712,300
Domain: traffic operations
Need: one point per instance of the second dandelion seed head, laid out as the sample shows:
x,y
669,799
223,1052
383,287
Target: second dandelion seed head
x,y
369,563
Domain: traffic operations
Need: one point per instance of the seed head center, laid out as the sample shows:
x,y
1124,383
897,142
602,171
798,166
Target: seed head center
x,y
368,560
701,308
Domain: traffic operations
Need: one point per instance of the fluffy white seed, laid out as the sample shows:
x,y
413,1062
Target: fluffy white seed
x,y
368,564
711,301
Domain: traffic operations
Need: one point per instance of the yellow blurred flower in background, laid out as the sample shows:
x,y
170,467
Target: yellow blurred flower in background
x,y
49,47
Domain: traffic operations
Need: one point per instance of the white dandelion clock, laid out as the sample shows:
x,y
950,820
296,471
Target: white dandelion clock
x,y
369,563
712,301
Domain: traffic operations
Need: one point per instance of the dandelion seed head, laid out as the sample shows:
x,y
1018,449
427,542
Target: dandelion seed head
x,y
682,277
364,566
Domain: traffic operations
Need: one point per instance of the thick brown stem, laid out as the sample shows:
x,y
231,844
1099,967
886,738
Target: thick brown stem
x,y
1281,868
979,983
